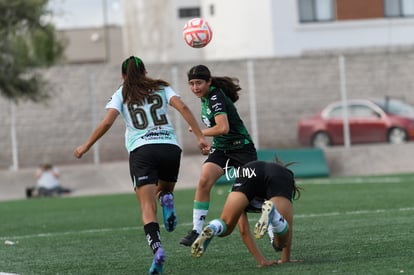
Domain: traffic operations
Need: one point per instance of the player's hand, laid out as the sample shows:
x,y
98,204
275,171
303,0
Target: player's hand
x,y
290,261
204,147
205,151
80,150
190,129
268,263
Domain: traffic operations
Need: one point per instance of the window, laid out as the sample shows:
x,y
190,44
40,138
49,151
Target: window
x,y
189,12
212,10
316,10
398,8
336,112
354,111
362,111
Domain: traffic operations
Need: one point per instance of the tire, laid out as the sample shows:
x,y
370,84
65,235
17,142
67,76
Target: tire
x,y
321,140
396,135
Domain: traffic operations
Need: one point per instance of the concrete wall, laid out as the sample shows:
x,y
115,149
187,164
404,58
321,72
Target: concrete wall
x,y
373,159
285,89
113,177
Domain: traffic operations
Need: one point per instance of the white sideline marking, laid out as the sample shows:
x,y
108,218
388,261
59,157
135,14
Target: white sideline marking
x,y
356,180
91,231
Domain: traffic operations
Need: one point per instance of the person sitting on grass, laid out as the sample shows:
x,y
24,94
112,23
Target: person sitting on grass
x,y
257,180
48,184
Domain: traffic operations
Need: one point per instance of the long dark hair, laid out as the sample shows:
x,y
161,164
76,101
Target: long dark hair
x,y
296,189
137,85
229,85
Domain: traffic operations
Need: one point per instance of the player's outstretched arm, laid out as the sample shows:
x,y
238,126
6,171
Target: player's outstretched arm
x,y
250,243
99,131
186,113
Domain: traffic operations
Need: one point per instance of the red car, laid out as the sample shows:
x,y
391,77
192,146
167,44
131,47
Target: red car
x,y
370,120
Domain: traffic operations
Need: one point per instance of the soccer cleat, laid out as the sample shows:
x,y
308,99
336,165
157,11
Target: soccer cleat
x,y
260,228
168,210
200,244
157,262
190,238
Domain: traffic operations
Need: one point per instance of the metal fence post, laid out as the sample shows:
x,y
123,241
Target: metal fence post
x,y
252,103
15,150
177,118
342,73
94,120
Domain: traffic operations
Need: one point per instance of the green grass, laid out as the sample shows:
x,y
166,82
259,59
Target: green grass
x,y
355,225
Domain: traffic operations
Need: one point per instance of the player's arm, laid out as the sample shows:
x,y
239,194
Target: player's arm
x,y
221,128
186,113
250,243
103,126
217,105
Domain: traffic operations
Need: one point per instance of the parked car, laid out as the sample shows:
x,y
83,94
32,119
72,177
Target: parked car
x,y
370,120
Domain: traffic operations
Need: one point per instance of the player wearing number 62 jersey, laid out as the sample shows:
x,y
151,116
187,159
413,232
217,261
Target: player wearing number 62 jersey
x,y
154,154
148,123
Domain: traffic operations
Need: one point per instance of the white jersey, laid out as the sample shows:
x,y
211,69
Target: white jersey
x,y
48,179
148,123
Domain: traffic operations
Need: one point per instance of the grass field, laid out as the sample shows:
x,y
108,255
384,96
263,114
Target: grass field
x,y
355,225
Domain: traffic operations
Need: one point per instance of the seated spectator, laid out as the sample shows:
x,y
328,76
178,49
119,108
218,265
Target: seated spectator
x,y
48,184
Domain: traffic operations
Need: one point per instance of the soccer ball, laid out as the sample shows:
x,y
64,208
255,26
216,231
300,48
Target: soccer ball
x,y
197,33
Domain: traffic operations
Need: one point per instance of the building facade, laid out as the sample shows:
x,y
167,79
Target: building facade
x,y
93,44
266,28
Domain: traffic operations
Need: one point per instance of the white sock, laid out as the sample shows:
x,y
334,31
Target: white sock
x,y
279,223
199,216
219,225
270,232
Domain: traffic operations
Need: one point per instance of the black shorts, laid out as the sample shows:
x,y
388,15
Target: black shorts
x,y
268,180
233,158
151,162
255,205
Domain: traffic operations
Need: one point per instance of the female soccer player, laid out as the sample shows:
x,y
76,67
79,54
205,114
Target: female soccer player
x,y
232,144
264,180
150,139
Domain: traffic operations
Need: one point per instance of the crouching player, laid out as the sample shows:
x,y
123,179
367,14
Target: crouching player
x,y
257,179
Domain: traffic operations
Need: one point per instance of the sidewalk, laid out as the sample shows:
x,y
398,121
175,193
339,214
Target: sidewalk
x,y
112,178
91,179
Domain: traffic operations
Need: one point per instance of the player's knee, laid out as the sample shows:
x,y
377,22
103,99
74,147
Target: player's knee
x,y
205,184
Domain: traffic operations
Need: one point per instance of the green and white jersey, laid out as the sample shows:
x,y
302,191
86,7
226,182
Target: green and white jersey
x,y
148,123
215,103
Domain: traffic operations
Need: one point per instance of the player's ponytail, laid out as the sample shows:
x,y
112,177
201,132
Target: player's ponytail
x,y
229,85
137,69
137,85
296,189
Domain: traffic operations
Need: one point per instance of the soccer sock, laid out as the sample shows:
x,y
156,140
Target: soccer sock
x,y
199,215
162,193
279,224
270,232
220,226
152,233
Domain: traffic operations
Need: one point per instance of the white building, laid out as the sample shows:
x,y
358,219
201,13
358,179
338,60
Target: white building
x,y
266,28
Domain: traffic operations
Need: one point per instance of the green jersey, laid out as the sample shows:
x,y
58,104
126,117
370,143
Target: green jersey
x,y
215,103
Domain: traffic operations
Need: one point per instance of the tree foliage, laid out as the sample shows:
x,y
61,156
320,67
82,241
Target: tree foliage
x,y
28,43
